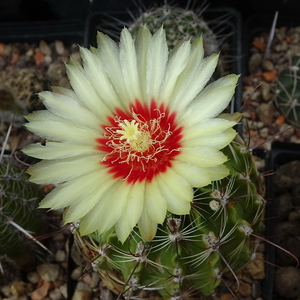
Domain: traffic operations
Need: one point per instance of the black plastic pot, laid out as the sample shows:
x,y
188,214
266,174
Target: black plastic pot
x,y
67,31
280,154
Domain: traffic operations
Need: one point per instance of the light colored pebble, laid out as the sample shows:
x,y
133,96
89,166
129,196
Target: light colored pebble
x,y
48,272
265,113
254,62
33,277
266,92
295,38
48,59
268,65
284,46
82,292
64,82
55,71
245,288
246,114
59,47
55,294
95,280
60,256
256,267
264,132
279,35
76,55
64,290
44,47
260,124
30,52
77,273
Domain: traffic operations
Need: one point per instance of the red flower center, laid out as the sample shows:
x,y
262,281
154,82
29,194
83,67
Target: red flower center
x,y
140,144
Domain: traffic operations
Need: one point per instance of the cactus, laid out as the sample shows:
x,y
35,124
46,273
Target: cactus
x,y
180,24
189,254
19,219
287,96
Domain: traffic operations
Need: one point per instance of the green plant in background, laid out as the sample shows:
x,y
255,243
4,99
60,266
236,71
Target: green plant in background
x,y
19,218
287,95
190,254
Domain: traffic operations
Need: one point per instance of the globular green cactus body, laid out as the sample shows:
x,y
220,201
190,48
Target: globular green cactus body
x,y
179,24
18,214
190,253
287,96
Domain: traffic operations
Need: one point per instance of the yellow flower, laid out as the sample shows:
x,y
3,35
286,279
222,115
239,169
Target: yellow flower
x,y
137,132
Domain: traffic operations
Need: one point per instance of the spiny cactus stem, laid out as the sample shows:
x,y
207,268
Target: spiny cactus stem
x,y
231,271
28,234
128,283
6,139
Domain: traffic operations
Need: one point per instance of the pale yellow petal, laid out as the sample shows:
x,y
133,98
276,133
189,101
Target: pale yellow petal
x,y
86,93
177,192
142,44
157,59
108,53
176,64
79,210
202,157
211,101
58,171
75,190
217,141
155,203
218,172
107,210
95,73
132,211
197,177
128,61
191,81
205,127
57,150
68,108
147,227
60,130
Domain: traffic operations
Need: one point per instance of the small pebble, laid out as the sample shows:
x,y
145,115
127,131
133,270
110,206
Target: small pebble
x,y
60,256
48,272
64,290
77,273
268,65
76,56
245,288
44,48
59,47
256,267
55,294
33,277
82,292
264,132
95,280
